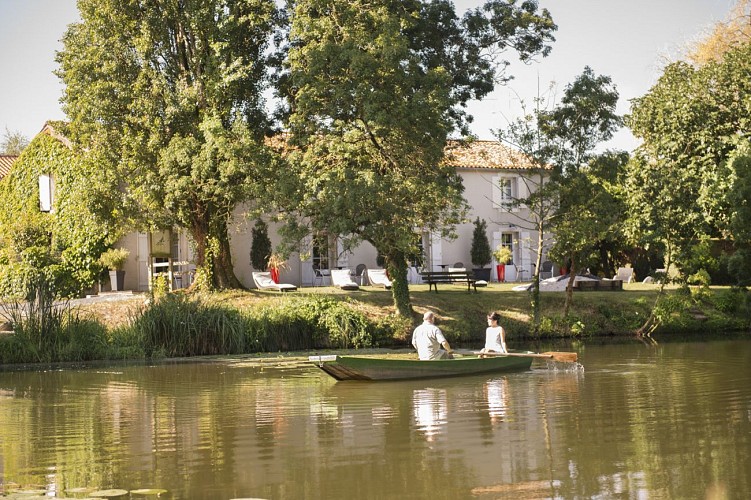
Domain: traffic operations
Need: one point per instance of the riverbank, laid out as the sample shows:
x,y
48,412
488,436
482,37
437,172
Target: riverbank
x,y
462,315
133,326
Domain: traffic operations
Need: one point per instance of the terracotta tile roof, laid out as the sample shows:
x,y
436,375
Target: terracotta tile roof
x,y
484,154
5,162
473,155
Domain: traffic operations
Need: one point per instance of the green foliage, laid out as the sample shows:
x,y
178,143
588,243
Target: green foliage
x,y
25,228
740,217
180,326
170,99
260,247
732,300
683,186
480,250
63,244
701,277
114,259
375,89
16,280
44,331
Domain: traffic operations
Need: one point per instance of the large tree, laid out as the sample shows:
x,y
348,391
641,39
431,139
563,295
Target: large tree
x,y
557,145
169,93
584,119
375,88
680,186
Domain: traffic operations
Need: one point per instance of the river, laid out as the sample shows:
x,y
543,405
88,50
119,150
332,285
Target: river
x,y
671,421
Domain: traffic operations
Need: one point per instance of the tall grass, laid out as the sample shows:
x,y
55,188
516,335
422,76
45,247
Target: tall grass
x,y
176,325
49,331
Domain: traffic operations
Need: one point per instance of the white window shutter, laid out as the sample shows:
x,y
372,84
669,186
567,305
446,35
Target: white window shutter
x,y
496,195
45,193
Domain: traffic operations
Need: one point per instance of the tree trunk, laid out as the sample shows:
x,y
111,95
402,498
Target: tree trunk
x,y
536,306
570,287
223,271
652,322
397,266
213,257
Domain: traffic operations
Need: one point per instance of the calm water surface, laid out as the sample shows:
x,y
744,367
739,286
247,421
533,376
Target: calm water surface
x,y
663,422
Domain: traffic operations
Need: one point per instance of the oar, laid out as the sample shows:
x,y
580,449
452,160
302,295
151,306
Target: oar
x,y
563,357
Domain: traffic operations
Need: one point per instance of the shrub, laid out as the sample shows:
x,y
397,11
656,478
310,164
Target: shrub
x,y
480,250
730,301
260,246
16,280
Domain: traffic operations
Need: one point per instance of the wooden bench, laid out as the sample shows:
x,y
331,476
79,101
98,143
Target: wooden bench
x,y
432,278
602,285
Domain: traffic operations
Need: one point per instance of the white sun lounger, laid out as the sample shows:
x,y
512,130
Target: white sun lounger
x,y
377,277
342,279
264,282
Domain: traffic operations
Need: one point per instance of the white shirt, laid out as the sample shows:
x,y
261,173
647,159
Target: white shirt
x,y
494,340
427,339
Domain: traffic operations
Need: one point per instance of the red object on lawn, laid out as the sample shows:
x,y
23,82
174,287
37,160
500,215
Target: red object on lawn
x,y
501,269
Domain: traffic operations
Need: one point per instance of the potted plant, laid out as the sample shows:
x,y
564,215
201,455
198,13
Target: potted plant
x,y
480,251
114,259
276,263
502,256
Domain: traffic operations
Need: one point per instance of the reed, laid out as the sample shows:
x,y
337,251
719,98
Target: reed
x,y
180,326
49,331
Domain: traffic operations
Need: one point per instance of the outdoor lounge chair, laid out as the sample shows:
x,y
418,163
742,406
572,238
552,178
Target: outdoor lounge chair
x,y
377,277
342,279
264,282
625,274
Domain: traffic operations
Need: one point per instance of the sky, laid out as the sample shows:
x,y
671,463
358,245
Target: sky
x,y
630,41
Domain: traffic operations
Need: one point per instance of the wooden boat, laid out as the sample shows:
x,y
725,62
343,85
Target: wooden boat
x,y
400,368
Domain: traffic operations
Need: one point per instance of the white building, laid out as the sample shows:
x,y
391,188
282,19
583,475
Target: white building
x,y
493,175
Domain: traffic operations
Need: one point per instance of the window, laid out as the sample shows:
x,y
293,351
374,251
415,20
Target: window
x,y
505,192
507,240
46,192
320,253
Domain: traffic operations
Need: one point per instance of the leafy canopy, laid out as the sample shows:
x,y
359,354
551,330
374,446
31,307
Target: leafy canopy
x,y
375,88
170,94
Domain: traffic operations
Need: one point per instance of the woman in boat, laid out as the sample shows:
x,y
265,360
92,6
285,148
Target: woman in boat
x,y
495,335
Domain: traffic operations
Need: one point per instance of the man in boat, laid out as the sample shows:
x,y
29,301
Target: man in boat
x,y
428,339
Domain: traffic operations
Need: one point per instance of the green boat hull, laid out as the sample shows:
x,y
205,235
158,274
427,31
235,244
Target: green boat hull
x,y
374,368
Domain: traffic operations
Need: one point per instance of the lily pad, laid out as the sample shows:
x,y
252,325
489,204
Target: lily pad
x,y
114,493
148,492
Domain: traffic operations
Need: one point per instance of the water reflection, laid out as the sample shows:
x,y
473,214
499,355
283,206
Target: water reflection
x,y
430,411
496,393
667,422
